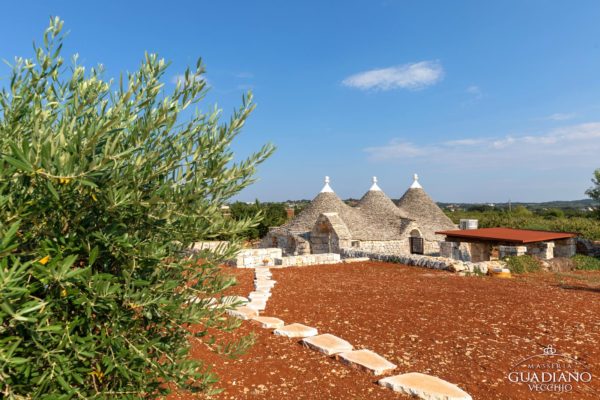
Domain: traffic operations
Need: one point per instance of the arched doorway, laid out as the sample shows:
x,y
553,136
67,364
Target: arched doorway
x,y
416,242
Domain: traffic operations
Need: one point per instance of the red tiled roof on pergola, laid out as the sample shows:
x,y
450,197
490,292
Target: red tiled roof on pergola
x,y
507,235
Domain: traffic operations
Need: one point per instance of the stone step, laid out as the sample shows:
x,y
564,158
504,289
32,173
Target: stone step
x,y
258,305
424,386
265,289
264,282
259,294
296,330
268,322
327,344
243,312
366,360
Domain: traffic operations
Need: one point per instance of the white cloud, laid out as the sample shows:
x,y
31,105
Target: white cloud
x,y
475,91
408,76
560,116
574,144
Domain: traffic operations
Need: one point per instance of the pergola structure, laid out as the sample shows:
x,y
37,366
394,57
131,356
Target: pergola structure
x,y
493,243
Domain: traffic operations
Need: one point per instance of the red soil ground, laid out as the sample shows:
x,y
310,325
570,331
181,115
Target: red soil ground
x,y
467,330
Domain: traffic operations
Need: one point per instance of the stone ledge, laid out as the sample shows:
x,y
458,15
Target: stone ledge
x,y
243,312
327,344
366,360
296,331
425,387
268,322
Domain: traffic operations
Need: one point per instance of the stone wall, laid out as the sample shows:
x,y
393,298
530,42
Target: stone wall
x,y
252,258
588,247
455,250
479,251
510,251
310,259
329,234
543,250
565,247
289,243
273,258
441,263
383,246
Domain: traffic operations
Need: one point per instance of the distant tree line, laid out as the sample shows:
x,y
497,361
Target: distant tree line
x,y
272,214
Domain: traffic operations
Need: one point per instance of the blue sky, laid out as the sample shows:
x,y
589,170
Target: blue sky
x,y
487,101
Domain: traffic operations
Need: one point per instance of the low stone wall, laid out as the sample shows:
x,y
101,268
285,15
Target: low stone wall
x,y
308,259
442,263
510,251
252,258
588,247
272,257
543,250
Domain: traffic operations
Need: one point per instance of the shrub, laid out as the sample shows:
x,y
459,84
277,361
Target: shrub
x,y
102,190
586,262
522,264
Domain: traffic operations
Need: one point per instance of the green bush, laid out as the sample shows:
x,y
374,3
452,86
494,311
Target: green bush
x,y
586,262
103,187
273,214
522,264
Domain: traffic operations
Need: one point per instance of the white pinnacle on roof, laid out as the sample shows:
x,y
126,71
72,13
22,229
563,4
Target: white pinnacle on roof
x,y
416,184
375,187
327,188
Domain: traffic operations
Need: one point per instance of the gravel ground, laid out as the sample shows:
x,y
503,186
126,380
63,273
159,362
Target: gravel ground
x,y
470,331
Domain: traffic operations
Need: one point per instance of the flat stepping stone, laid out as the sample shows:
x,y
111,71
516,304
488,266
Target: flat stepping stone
x,y
243,312
327,344
366,360
424,387
296,330
268,322
258,305
266,282
265,289
259,296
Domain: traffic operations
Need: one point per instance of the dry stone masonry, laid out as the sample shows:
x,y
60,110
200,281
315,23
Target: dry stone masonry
x,y
376,224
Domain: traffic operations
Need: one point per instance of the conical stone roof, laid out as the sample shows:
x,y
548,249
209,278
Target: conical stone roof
x,y
384,220
417,205
326,202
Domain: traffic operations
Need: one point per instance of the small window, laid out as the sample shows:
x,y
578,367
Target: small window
x,y
355,243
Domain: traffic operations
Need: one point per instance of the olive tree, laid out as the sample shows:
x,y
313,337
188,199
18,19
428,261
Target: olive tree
x,y
104,186
594,191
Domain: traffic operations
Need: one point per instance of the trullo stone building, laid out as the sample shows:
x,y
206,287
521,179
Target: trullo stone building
x,y
376,224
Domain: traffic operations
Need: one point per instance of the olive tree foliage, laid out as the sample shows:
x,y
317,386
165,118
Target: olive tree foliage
x,y
594,191
103,187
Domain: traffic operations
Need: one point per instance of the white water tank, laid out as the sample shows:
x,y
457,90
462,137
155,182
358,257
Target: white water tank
x,y
468,224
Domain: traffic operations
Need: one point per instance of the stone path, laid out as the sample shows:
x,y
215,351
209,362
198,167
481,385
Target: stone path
x,y
414,384
366,360
424,387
